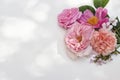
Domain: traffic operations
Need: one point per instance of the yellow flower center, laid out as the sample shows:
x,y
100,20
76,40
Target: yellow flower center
x,y
93,20
79,38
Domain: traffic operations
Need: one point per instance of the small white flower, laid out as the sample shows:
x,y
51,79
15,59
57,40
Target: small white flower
x,y
115,23
111,19
110,27
104,25
107,26
108,23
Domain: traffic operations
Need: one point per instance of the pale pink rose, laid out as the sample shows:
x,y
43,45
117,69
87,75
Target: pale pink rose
x,y
96,20
78,38
68,17
103,41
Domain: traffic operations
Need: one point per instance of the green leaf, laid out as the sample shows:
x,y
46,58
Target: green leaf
x,y
116,29
118,38
100,3
83,8
101,57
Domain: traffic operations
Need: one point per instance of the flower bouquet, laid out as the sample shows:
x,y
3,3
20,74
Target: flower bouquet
x,y
89,26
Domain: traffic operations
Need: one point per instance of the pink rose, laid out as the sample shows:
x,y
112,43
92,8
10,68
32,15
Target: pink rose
x,y
68,17
96,20
103,41
78,37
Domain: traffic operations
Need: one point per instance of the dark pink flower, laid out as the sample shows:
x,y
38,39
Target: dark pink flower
x,y
95,20
68,17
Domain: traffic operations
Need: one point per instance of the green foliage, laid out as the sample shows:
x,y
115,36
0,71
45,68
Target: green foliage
x,y
100,3
107,57
83,8
116,29
101,57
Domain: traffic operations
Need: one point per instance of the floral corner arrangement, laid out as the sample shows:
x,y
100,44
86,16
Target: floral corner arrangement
x,y
89,26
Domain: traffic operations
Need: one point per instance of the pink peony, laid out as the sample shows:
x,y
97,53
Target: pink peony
x,y
78,37
68,17
95,20
103,41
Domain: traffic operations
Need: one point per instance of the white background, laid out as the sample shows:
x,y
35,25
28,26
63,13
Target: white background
x,y
28,43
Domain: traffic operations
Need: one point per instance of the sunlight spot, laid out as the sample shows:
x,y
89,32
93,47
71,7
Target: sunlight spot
x,y
99,74
3,76
2,59
39,16
43,7
31,3
35,71
73,2
77,2
46,60
77,79
44,32
43,61
3,79
49,57
21,29
7,49
39,12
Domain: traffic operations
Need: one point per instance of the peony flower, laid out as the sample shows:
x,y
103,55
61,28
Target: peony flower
x,y
103,41
95,20
78,38
68,17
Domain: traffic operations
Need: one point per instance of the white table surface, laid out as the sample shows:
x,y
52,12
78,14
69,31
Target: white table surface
x,y
31,43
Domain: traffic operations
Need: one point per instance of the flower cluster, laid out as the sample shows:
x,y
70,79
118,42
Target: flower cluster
x,y
87,26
